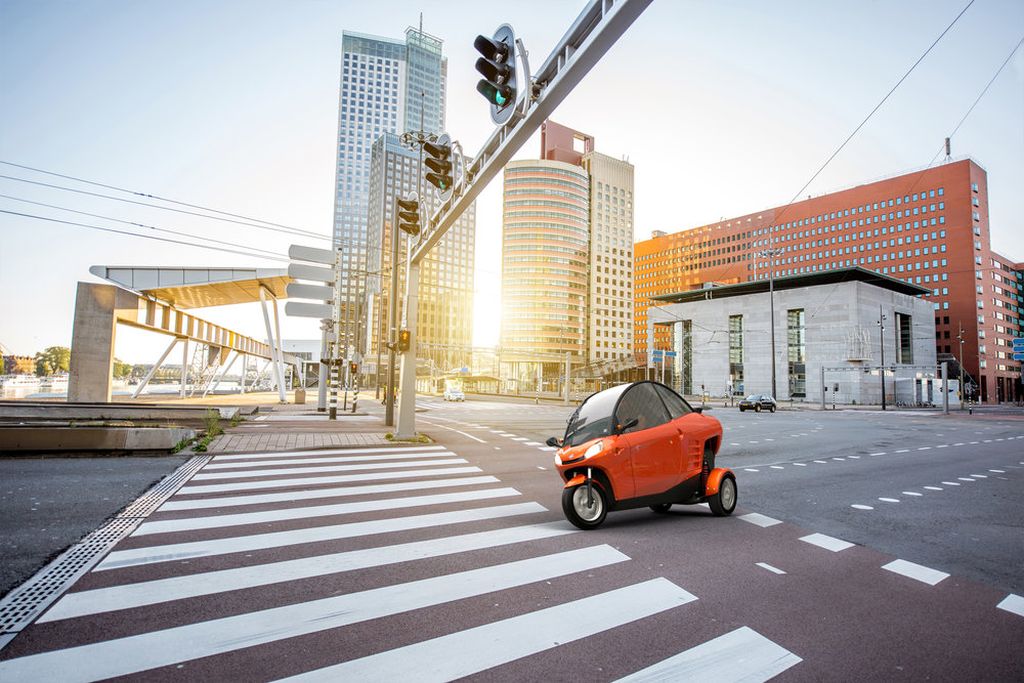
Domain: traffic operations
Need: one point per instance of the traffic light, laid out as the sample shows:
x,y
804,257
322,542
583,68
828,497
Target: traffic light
x,y
439,163
404,336
353,367
497,65
409,216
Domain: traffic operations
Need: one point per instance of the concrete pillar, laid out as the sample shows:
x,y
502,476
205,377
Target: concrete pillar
x,y
97,310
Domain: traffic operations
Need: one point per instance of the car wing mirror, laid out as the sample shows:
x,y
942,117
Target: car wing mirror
x,y
554,442
628,424
699,409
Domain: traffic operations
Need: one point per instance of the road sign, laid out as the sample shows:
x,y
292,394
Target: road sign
x,y
670,354
301,271
297,252
304,309
657,353
1018,344
1018,356
297,290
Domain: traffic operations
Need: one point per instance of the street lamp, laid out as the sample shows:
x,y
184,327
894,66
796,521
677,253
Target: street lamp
x,y
770,254
960,362
881,346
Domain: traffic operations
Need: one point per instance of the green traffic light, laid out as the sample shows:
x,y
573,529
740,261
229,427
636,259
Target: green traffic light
x,y
498,99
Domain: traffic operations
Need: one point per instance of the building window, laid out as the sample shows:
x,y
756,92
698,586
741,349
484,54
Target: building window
x,y
904,338
736,353
796,342
682,364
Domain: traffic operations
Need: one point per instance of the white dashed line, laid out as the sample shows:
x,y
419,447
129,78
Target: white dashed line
x,y
533,443
1013,604
733,443
774,570
973,443
541,468
998,471
980,476
843,459
889,500
951,483
961,443
912,493
903,450
753,442
916,571
861,507
933,488
769,439
965,479
750,469
945,445
821,462
925,448
760,520
777,467
800,464
827,542
854,457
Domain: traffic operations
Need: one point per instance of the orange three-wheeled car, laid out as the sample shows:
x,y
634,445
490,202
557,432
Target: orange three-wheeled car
x,y
640,444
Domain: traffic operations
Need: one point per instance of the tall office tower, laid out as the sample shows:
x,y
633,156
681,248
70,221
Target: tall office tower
x,y
928,227
445,319
387,86
567,261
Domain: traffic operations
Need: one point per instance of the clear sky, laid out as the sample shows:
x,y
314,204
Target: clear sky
x,y
724,108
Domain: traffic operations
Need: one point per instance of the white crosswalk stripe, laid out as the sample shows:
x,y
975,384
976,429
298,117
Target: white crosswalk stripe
x,y
270,527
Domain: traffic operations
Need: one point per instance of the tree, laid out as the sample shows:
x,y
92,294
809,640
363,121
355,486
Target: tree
x,y
121,370
53,360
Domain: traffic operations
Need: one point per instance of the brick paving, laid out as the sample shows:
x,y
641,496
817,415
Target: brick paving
x,y
287,441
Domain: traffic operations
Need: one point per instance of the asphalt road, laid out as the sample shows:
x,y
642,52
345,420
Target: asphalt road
x,y
454,560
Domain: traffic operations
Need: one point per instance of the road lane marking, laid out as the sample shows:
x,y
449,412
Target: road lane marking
x,y
468,652
777,467
821,462
933,488
328,451
902,450
827,542
889,500
533,443
287,514
951,483
223,546
285,471
912,493
878,453
259,499
1013,604
128,596
857,506
980,476
916,571
973,443
945,445
760,520
733,443
959,443
965,479
134,654
800,464
765,565
313,481
740,655
240,466
457,431
840,459
998,471
519,438
754,442
925,448
751,469
769,439
854,457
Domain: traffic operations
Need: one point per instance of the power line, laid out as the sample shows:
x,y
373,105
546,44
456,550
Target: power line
x,y
135,234
148,195
143,225
289,231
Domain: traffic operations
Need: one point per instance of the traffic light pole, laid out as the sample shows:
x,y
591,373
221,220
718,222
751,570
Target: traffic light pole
x,y
407,403
591,35
389,392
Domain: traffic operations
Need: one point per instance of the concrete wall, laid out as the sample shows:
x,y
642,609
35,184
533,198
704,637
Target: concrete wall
x,y
97,309
841,331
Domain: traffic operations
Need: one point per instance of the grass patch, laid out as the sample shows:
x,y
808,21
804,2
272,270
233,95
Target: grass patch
x,y
419,438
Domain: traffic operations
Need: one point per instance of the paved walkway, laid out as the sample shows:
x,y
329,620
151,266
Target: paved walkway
x,y
249,443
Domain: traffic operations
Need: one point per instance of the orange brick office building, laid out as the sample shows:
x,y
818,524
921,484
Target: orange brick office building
x,y
927,227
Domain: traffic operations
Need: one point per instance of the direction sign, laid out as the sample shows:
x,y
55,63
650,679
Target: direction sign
x,y
301,271
657,353
297,252
297,290
1018,356
1018,344
670,354
304,309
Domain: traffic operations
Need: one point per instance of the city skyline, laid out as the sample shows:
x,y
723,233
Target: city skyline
x,y
108,94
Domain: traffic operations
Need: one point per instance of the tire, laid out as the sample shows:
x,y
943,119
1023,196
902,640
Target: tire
x,y
757,408
772,409
724,502
661,508
574,505
742,409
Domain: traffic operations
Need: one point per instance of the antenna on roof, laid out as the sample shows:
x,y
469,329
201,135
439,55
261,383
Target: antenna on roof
x,y
948,157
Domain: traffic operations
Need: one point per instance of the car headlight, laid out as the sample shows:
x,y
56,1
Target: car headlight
x,y
558,460
594,450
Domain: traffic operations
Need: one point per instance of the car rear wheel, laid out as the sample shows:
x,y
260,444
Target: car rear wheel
x,y
724,502
757,408
583,511
662,507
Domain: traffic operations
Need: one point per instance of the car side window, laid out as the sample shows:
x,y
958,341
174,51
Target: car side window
x,y
643,403
677,407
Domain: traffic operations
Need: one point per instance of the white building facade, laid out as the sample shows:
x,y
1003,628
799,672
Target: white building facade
x,y
828,341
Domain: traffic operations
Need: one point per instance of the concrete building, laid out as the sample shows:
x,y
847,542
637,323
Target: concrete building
x,y
568,226
445,320
721,338
387,86
929,228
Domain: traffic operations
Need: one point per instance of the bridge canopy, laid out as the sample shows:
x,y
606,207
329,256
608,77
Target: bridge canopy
x,y
186,288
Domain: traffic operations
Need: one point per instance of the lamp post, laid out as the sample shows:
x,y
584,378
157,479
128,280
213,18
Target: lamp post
x,y
960,362
881,346
771,253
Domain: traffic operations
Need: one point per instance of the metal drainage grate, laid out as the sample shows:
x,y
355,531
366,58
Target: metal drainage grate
x,y
23,604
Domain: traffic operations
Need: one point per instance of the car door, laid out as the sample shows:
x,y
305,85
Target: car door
x,y
690,428
653,442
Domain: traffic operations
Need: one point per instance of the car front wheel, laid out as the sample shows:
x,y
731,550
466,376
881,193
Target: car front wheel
x,y
757,408
772,409
724,502
582,510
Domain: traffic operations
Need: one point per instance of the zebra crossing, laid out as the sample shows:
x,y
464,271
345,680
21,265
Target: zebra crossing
x,y
261,549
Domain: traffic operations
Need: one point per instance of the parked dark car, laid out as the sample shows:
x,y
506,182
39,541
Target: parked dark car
x,y
757,403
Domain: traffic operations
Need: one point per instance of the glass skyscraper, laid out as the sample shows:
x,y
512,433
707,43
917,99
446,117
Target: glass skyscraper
x,y
387,85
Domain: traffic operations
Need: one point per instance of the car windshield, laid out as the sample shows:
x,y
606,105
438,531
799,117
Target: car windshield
x,y
753,397
593,419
